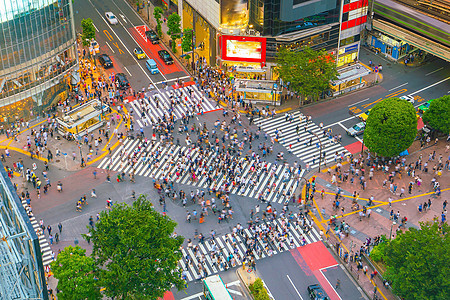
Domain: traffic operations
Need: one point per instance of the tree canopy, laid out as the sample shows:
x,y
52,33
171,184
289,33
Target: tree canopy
x,y
174,25
157,13
391,127
135,252
186,42
438,115
308,72
88,31
75,273
417,262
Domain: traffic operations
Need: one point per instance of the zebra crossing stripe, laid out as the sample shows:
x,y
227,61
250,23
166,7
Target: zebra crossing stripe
x,y
304,145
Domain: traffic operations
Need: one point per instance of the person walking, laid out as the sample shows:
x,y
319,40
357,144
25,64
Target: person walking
x,y
60,227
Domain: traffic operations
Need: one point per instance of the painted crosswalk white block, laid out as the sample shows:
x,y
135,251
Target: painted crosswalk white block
x,y
230,249
303,139
156,105
270,181
43,243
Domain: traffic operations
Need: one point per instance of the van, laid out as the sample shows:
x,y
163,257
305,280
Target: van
x,y
151,66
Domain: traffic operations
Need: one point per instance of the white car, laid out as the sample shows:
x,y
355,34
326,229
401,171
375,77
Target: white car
x,y
408,98
111,18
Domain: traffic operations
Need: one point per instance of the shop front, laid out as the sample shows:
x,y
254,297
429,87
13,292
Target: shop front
x,y
348,55
258,91
391,47
349,79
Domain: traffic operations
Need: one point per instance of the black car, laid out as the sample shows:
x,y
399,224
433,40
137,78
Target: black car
x,y
122,81
152,36
105,61
316,292
165,56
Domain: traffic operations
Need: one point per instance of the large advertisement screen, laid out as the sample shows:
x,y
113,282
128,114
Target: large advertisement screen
x,y
243,48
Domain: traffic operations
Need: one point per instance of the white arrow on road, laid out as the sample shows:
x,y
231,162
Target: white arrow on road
x,y
123,17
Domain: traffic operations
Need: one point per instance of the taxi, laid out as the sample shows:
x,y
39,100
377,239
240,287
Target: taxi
x,y
139,53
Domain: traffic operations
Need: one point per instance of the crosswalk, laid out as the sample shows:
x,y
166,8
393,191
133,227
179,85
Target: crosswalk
x,y
270,181
304,145
213,256
148,110
45,248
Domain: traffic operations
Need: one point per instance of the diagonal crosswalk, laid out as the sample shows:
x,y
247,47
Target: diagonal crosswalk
x,y
231,249
181,101
45,247
303,144
270,181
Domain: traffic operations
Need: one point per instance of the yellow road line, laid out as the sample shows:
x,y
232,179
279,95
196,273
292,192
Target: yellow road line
x,y
333,167
23,152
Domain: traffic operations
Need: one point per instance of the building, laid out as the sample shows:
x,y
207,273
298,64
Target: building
x,y
248,33
38,56
21,267
404,29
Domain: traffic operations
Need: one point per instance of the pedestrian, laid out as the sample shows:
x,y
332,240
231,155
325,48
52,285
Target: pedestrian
x,y
95,174
338,284
49,229
60,227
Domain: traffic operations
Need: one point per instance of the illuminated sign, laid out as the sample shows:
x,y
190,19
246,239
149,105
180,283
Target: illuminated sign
x,y
233,13
243,48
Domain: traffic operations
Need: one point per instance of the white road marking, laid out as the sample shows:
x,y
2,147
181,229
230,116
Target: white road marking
x,y
358,102
330,284
95,27
434,71
335,123
425,88
397,87
234,292
110,47
294,287
345,128
198,296
127,70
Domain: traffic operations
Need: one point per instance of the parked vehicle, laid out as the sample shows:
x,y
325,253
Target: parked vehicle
x,y
152,36
165,56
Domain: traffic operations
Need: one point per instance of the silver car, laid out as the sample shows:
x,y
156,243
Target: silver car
x,y
111,18
357,129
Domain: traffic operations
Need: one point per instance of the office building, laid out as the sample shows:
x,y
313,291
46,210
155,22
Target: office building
x,y
37,56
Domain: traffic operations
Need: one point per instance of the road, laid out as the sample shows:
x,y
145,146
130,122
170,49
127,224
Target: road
x,y
425,82
119,41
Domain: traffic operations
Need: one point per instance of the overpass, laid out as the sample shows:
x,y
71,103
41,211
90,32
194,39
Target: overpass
x,y
410,22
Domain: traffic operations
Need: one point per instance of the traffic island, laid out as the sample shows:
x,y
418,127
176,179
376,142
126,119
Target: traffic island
x,y
253,284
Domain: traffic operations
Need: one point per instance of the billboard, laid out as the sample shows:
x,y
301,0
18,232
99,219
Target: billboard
x,y
243,48
233,13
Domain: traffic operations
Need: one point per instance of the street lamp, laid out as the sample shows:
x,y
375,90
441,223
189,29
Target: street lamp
x,y
320,142
390,234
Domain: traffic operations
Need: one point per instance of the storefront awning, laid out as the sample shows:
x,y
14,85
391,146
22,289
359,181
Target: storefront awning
x,y
350,73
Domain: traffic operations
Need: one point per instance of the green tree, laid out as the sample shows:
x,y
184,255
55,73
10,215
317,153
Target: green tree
x,y
174,25
88,31
418,261
186,41
157,13
438,115
135,252
75,273
391,127
308,72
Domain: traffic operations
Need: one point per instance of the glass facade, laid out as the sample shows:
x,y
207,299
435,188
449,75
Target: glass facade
x,y
38,53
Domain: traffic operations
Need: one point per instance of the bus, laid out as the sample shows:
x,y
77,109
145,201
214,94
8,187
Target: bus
x,y
214,289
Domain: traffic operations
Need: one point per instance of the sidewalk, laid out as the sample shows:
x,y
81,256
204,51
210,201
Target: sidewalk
x,y
377,220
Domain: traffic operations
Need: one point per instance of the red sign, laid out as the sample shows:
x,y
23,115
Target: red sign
x,y
243,48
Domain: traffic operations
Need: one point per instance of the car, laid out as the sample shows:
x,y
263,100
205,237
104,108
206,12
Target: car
x,y
426,106
165,56
122,81
316,292
408,98
105,61
111,18
139,53
151,66
364,115
152,36
356,129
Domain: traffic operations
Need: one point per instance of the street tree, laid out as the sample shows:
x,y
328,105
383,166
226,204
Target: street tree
x,y
88,31
135,251
75,273
174,25
438,115
157,13
417,262
308,72
186,41
391,127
